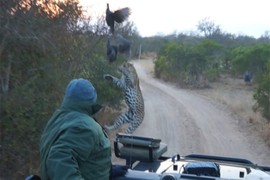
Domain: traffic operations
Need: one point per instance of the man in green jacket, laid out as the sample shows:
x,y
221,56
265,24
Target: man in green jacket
x,y
73,145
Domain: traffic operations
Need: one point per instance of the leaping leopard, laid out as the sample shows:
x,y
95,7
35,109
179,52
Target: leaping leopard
x,y
129,83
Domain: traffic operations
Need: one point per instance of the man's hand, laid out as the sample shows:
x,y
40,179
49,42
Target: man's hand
x,y
118,170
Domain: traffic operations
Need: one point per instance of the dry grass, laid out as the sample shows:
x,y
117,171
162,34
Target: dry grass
x,y
238,96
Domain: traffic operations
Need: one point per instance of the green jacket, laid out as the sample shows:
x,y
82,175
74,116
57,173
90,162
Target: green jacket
x,y
73,145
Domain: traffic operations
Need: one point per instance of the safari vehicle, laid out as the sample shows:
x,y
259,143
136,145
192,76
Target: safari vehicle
x,y
145,157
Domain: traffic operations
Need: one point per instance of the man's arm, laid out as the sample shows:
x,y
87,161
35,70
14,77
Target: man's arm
x,y
73,143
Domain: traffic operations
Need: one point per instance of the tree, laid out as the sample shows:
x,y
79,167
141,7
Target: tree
x,y
253,59
187,64
29,30
208,28
34,39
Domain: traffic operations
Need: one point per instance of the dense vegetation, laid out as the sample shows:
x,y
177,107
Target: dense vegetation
x,y
44,45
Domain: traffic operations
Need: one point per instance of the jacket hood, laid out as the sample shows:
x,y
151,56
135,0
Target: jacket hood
x,y
80,96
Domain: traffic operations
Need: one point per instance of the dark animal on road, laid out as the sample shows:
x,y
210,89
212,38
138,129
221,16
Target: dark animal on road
x,y
247,78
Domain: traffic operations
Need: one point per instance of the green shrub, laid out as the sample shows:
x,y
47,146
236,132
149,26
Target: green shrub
x,y
212,74
262,94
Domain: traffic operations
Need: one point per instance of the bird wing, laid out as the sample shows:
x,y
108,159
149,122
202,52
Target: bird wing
x,y
121,15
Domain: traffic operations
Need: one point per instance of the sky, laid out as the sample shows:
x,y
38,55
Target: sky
x,y
162,17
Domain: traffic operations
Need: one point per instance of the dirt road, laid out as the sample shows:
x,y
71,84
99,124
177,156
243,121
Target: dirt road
x,y
191,123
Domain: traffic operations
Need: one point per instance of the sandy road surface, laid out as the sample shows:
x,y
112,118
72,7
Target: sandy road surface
x,y
191,123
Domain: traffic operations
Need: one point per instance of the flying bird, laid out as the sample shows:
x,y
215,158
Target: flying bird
x,y
118,16
123,44
111,51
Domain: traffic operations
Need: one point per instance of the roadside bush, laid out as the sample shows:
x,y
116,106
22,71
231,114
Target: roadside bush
x,y
262,94
212,75
253,58
189,65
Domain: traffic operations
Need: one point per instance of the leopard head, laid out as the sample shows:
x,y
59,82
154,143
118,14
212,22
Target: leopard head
x,y
128,70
